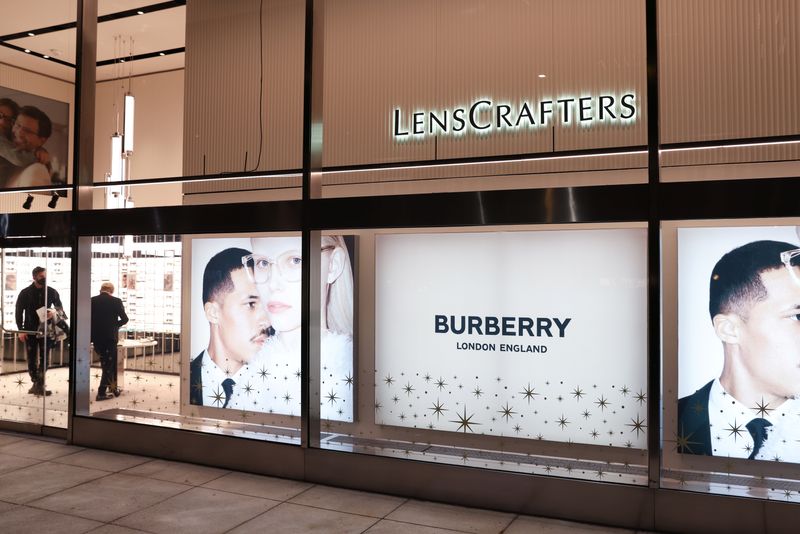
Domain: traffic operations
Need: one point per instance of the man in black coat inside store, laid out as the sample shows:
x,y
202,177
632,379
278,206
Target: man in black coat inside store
x,y
108,314
31,299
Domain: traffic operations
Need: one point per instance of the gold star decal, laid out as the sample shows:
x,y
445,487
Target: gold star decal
x,y
217,397
20,382
507,411
528,393
577,393
602,403
441,383
465,422
388,380
408,389
348,380
438,408
562,422
198,387
683,443
637,425
762,408
477,392
248,389
263,373
734,430
625,390
332,397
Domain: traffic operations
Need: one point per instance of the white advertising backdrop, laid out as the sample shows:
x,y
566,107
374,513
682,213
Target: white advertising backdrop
x,y
589,386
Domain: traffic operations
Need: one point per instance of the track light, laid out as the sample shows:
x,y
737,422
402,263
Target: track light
x,y
28,202
53,201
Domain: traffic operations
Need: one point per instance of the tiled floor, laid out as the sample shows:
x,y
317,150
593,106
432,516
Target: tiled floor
x,y
46,486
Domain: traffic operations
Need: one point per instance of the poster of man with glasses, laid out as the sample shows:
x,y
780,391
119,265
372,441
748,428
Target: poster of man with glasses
x,y
34,140
739,342
245,324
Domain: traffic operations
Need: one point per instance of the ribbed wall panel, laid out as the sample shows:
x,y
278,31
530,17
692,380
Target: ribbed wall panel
x,y
242,184
223,84
728,69
435,54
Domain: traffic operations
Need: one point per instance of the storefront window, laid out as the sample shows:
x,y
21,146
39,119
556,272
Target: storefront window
x,y
192,353
730,380
512,349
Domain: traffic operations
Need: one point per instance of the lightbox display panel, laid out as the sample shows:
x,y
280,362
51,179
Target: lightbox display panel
x,y
534,334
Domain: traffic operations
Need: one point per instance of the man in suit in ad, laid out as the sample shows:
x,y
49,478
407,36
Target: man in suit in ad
x,y
222,375
108,315
752,407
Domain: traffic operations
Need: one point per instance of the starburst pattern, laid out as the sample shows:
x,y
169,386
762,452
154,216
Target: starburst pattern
x,y
465,422
529,393
438,408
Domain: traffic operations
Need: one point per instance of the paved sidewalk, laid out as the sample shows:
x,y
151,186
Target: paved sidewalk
x,y
49,487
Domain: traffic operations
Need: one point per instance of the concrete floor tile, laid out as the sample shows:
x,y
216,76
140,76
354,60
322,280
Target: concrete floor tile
x,y
10,463
5,439
198,511
24,520
103,460
525,524
453,517
278,489
386,526
194,475
38,449
116,529
349,501
45,478
111,497
290,518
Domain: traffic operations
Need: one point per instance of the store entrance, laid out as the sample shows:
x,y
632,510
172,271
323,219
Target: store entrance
x,y
35,353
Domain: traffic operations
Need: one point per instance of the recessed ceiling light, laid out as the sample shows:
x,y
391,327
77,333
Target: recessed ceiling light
x,y
46,57
543,76
161,54
31,34
140,12
27,51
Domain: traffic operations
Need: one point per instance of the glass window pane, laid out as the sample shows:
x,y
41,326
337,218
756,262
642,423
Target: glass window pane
x,y
518,349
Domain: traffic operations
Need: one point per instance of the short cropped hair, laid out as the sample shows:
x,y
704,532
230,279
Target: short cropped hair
x,y
217,274
37,270
107,287
736,279
13,106
45,125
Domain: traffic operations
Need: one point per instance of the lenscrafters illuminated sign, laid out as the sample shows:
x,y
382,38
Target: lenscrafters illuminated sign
x,y
485,115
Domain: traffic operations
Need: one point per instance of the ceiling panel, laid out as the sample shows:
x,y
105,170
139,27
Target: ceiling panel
x,y
151,32
144,66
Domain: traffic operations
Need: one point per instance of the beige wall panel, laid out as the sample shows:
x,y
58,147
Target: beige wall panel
x,y
728,69
436,54
379,54
599,47
223,86
158,133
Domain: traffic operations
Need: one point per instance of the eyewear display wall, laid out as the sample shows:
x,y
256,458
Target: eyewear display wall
x,y
600,251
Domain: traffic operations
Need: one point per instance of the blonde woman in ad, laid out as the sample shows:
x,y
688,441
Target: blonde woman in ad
x,y
276,266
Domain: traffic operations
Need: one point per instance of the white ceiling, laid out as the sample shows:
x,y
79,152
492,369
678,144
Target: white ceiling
x,y
151,32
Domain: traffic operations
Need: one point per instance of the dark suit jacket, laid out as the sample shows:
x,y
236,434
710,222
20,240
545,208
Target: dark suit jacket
x,y
694,432
108,314
196,380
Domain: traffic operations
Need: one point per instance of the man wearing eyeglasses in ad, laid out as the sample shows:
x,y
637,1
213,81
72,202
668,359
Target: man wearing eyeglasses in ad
x,y
222,376
749,411
24,149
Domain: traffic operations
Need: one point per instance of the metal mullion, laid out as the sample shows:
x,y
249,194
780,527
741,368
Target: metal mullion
x,y
654,429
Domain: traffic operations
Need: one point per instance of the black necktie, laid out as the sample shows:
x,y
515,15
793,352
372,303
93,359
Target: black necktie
x,y
758,429
227,387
